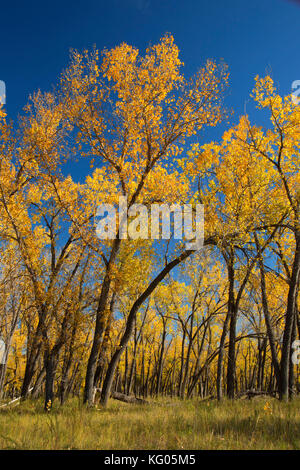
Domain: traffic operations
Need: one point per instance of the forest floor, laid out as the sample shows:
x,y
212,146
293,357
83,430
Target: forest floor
x,y
259,423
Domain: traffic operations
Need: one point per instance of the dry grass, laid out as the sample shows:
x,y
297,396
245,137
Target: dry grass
x,y
243,424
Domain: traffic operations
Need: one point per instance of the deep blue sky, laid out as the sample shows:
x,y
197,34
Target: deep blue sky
x,y
252,37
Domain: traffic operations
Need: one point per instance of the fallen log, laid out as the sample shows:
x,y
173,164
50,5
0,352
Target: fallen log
x,y
128,399
15,400
256,393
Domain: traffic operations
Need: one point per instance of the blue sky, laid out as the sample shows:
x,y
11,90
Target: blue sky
x,y
252,37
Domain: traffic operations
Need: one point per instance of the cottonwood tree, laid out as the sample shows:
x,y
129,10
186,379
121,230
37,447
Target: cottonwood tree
x,y
278,147
133,114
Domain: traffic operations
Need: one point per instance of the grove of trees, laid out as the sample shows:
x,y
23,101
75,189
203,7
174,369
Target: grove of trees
x,y
149,317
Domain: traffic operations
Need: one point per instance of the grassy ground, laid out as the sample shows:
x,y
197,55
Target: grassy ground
x,y
244,424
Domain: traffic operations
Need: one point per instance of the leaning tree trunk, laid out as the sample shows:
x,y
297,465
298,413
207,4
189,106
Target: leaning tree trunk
x,y
30,370
38,383
130,324
32,357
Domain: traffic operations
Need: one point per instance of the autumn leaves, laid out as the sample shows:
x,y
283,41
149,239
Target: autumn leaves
x,y
137,119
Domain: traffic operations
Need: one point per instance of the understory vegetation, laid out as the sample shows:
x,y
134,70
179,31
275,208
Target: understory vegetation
x,y
192,424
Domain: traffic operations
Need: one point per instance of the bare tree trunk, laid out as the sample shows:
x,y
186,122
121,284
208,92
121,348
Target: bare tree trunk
x,y
160,360
291,371
31,361
38,383
288,329
265,307
130,324
50,376
232,313
99,327
221,358
181,363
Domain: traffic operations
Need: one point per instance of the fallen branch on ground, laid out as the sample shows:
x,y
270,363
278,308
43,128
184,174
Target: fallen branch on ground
x,y
15,400
128,399
256,393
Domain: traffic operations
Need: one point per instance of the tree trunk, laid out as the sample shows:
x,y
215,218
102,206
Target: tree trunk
x,y
50,376
232,313
221,358
130,324
288,329
38,383
99,327
160,360
265,307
